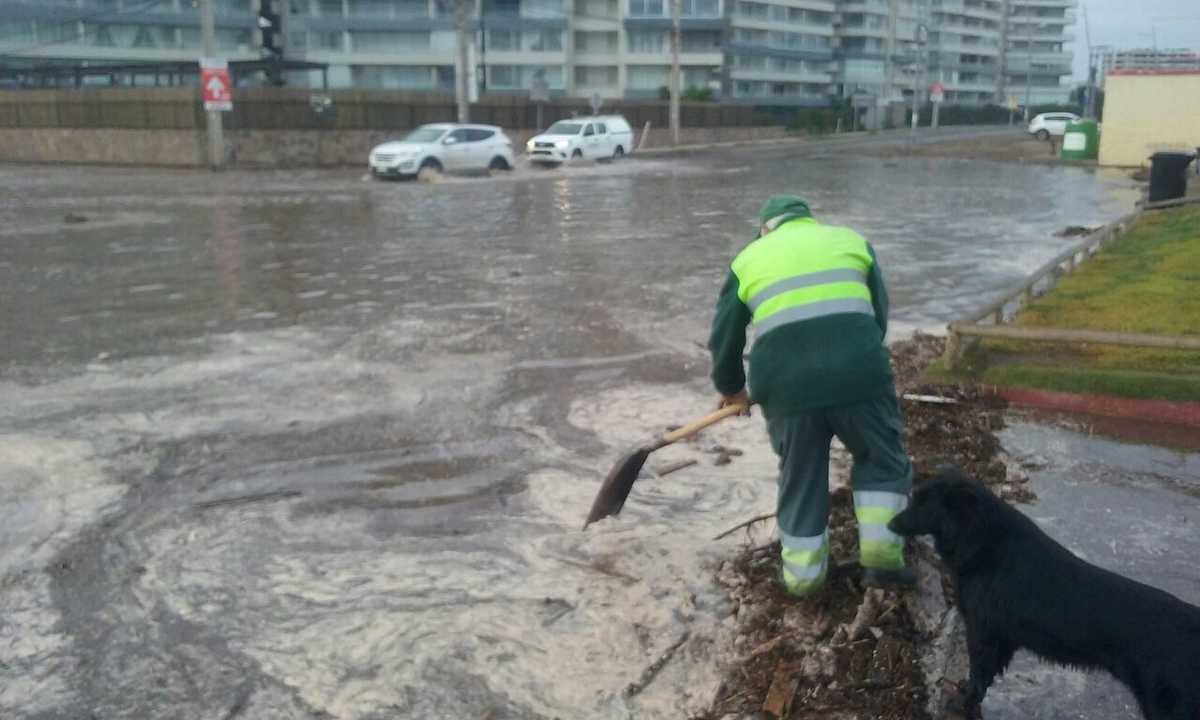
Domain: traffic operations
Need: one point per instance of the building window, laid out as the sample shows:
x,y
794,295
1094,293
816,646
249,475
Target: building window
x,y
331,41
384,42
647,41
753,10
601,9
16,31
522,77
503,77
330,8
700,41
601,77
396,77
647,77
503,40
751,37
646,8
542,8
699,9
544,41
696,77
596,42
750,62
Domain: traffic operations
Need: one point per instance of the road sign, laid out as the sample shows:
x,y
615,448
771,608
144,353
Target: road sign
x,y
539,92
214,82
596,103
937,92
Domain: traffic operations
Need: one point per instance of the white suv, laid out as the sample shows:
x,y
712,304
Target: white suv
x,y
1047,124
596,138
444,147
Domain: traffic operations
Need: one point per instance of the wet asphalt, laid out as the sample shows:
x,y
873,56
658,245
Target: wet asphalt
x,y
284,445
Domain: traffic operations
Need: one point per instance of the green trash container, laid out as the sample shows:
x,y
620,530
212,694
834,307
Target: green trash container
x,y
1081,141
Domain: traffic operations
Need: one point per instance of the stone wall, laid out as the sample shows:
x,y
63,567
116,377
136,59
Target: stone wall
x,y
264,148
105,146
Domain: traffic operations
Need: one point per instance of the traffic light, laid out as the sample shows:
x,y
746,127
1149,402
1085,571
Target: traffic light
x,y
269,27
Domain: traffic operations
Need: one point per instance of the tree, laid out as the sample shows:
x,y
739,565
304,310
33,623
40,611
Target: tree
x,y
1079,97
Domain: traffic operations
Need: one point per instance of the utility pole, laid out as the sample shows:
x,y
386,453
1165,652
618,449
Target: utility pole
x,y
922,35
216,134
1028,70
461,74
1089,105
676,10
889,64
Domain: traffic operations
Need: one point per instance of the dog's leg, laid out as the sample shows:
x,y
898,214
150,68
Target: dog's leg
x,y
989,655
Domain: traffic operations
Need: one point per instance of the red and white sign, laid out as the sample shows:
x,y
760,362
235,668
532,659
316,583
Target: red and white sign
x,y
214,83
937,92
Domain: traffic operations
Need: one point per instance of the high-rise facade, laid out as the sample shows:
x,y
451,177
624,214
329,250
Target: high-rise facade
x,y
780,52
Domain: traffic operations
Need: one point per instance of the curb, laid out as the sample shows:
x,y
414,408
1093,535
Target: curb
x,y
1167,412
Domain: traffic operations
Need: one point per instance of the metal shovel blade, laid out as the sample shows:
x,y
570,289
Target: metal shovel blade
x,y
615,488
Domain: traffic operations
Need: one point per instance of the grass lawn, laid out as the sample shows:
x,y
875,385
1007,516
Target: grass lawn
x,y
1147,281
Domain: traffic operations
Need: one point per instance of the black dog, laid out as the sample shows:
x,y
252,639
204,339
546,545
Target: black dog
x,y
1018,588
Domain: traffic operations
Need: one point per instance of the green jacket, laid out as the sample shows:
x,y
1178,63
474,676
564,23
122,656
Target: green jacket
x,y
817,299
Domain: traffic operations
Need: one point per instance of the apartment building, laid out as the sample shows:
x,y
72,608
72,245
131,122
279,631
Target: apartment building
x,y
1038,51
1174,60
785,52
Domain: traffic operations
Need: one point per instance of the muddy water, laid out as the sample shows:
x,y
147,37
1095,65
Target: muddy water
x,y
299,445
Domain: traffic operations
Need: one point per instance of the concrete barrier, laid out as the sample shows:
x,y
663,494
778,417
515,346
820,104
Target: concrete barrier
x,y
264,148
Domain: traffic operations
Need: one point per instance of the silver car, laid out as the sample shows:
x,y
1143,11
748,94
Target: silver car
x,y
443,147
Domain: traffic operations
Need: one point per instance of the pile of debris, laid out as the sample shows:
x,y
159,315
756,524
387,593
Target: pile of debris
x,y
853,652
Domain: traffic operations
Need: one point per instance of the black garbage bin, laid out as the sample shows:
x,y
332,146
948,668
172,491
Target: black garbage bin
x,y
1168,175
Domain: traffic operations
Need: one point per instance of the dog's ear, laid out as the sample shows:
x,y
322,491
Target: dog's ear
x,y
968,527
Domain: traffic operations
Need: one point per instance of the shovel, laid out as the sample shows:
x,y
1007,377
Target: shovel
x,y
619,482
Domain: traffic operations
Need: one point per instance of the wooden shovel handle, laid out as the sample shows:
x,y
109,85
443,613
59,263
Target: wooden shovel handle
x,y
697,425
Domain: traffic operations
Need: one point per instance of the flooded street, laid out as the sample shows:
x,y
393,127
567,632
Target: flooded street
x,y
292,445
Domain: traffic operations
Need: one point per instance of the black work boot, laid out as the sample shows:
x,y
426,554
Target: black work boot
x,y
889,577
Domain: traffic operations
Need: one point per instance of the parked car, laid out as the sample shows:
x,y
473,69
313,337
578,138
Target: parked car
x,y
445,147
1047,124
597,138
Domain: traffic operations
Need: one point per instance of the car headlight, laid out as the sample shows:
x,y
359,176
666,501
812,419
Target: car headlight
x,y
529,145
561,144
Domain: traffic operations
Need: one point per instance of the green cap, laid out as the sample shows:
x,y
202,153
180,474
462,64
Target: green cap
x,y
781,208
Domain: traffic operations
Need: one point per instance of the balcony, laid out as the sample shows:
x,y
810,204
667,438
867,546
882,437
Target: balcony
x,y
957,7
1046,3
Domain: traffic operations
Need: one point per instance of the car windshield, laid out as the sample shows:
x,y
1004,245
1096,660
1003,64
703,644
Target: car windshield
x,y
424,135
564,128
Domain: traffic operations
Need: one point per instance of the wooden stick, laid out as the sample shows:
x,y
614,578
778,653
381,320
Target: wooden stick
x,y
1087,336
673,467
746,524
655,667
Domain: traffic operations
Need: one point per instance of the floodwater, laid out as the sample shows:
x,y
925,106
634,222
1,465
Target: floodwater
x,y
285,445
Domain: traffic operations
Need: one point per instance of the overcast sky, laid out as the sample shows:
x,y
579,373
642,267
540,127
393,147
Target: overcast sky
x,y
1134,24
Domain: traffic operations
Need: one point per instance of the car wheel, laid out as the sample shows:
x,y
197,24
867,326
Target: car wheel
x,y
619,152
577,155
431,171
1042,135
498,164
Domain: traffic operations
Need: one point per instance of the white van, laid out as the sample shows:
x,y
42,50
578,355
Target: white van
x,y
595,138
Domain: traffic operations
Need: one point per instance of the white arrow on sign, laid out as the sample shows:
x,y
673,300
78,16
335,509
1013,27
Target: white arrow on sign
x,y
215,87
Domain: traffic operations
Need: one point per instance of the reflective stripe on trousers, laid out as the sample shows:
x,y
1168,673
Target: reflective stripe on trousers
x,y
805,562
879,547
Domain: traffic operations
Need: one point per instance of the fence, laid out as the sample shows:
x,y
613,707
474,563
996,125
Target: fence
x,y
292,109
1039,282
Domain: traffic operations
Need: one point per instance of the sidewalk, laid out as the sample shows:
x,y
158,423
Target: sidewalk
x,y
1145,282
